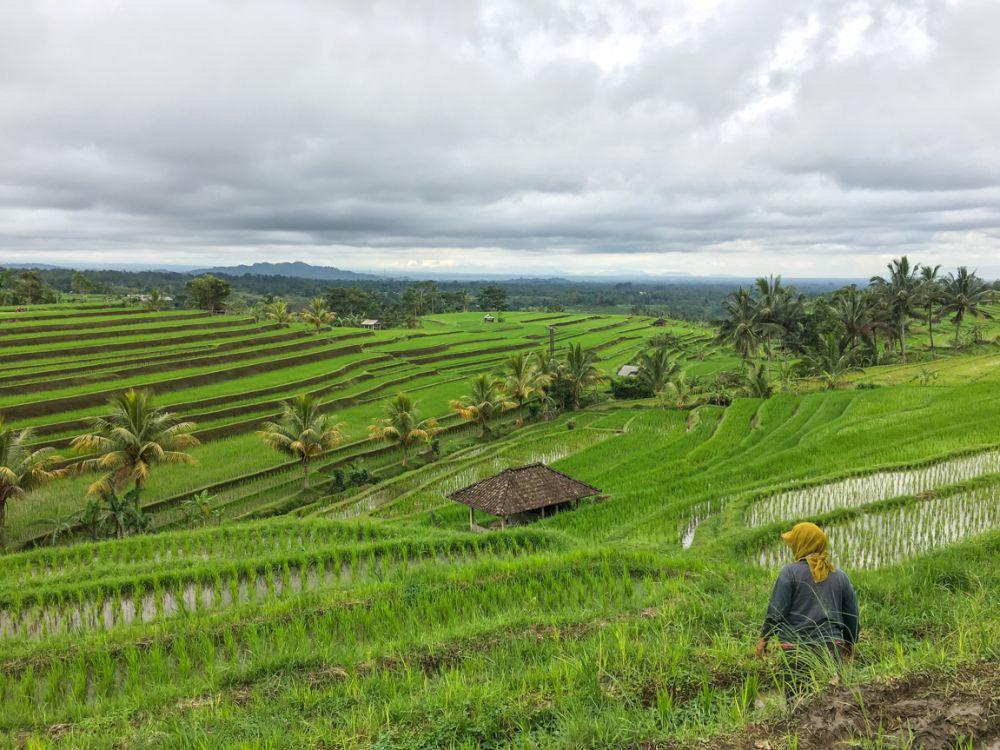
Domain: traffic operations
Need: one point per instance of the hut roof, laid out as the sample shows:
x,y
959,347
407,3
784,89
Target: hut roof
x,y
627,371
369,322
522,489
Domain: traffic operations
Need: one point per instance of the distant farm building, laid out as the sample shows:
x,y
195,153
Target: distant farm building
x,y
660,322
488,318
371,325
522,494
627,371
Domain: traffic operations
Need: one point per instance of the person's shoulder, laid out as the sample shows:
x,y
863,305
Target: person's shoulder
x,y
842,575
794,569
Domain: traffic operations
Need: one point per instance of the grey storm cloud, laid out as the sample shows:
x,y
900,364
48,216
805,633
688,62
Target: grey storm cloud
x,y
647,134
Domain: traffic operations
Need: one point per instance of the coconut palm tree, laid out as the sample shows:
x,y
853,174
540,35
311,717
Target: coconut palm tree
x,y
402,426
657,369
832,360
758,382
930,295
155,300
900,293
853,312
679,388
524,379
317,314
302,431
964,295
579,371
22,469
278,312
741,328
132,438
484,402
776,308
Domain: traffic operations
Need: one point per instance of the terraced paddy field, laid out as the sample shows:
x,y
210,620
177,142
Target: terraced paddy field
x,y
376,619
60,364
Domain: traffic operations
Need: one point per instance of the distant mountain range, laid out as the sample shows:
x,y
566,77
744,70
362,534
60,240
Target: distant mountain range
x,y
297,269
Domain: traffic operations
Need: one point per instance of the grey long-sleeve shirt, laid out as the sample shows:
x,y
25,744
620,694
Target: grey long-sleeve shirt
x,y
802,610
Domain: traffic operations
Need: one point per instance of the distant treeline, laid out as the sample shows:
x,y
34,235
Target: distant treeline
x,y
387,298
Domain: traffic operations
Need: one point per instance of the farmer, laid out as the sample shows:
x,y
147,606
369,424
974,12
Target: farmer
x,y
813,610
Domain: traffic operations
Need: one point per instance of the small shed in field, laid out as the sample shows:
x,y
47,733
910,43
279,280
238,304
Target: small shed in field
x,y
660,322
487,318
627,371
371,325
522,494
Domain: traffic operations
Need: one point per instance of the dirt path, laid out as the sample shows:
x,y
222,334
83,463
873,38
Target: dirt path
x,y
926,711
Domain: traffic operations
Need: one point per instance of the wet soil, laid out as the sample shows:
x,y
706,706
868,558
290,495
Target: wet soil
x,y
923,711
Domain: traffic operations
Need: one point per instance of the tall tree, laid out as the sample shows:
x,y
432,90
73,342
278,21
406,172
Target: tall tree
x,y
899,292
579,370
402,426
209,292
80,283
492,297
22,469
30,288
317,314
524,379
853,312
930,295
964,295
484,402
741,328
657,369
303,432
132,438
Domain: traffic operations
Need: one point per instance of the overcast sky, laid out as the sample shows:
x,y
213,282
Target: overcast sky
x,y
808,138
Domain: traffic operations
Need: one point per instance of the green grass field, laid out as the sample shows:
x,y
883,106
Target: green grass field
x,y
376,619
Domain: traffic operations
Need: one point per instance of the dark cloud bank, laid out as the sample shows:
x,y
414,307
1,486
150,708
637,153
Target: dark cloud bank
x,y
814,138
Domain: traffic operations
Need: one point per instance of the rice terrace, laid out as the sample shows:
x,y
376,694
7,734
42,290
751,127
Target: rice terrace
x,y
316,554
499,375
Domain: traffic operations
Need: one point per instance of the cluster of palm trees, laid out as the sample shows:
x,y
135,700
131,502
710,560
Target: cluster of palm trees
x,y
315,314
123,447
539,381
836,333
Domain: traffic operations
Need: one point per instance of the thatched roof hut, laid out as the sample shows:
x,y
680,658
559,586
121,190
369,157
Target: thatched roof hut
x,y
522,492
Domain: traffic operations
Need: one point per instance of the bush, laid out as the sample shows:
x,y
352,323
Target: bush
x,y
338,480
571,425
359,475
627,389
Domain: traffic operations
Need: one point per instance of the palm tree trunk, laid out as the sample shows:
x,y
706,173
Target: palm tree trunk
x,y
958,328
403,446
3,523
305,475
902,338
930,328
135,496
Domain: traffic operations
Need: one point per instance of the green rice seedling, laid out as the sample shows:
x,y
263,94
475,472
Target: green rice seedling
x,y
884,537
862,490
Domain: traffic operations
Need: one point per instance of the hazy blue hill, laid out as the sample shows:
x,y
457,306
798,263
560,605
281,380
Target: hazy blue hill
x,y
296,269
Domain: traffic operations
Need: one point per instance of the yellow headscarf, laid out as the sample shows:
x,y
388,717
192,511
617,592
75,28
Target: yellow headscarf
x,y
808,542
